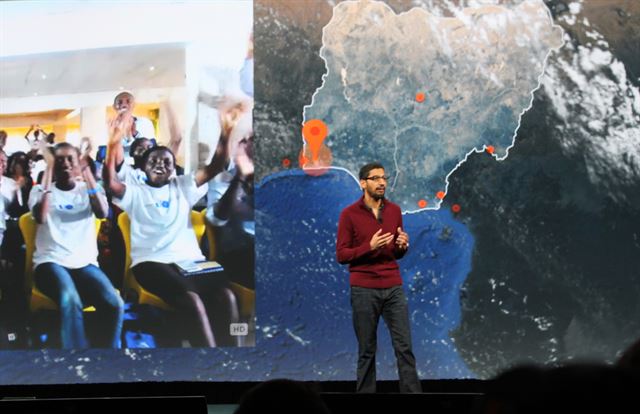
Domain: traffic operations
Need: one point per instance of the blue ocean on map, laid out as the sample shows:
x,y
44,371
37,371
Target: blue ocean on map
x,y
304,292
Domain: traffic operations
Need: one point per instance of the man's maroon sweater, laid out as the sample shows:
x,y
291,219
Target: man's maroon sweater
x,y
356,227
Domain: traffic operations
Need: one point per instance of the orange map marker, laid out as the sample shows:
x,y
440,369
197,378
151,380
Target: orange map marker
x,y
420,97
422,203
490,149
440,194
314,132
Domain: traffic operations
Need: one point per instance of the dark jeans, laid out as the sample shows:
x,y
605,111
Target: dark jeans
x,y
368,304
72,290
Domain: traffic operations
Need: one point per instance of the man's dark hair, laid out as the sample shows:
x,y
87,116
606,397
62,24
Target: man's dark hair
x,y
136,143
62,145
366,169
147,154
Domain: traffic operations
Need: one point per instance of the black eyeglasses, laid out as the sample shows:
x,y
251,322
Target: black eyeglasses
x,y
378,178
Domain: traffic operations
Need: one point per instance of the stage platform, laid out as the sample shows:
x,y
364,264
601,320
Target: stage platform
x,y
601,393
442,396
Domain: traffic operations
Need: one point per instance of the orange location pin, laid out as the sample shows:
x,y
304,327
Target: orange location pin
x,y
314,132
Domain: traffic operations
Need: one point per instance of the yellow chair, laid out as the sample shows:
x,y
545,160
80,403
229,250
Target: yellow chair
x,y
38,300
130,282
246,297
211,237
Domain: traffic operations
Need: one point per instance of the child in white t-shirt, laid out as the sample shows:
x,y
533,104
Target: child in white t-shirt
x,y
161,231
65,258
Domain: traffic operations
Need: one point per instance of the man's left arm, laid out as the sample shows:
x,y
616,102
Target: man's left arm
x,y
402,242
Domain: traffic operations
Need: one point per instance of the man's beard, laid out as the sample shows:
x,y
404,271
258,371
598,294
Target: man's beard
x,y
375,195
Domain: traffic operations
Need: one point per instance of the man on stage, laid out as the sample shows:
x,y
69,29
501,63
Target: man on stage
x,y
370,239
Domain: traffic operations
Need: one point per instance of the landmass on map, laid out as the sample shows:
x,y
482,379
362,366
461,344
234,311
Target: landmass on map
x,y
476,72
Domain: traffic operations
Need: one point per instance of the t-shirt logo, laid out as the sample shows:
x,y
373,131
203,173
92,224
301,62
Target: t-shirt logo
x,y
65,206
164,204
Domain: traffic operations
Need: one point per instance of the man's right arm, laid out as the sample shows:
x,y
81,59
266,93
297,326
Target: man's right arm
x,y
346,252
116,127
40,196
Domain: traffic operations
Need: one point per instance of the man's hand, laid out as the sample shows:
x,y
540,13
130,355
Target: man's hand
x,y
118,126
47,154
83,162
379,240
243,161
403,240
231,108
